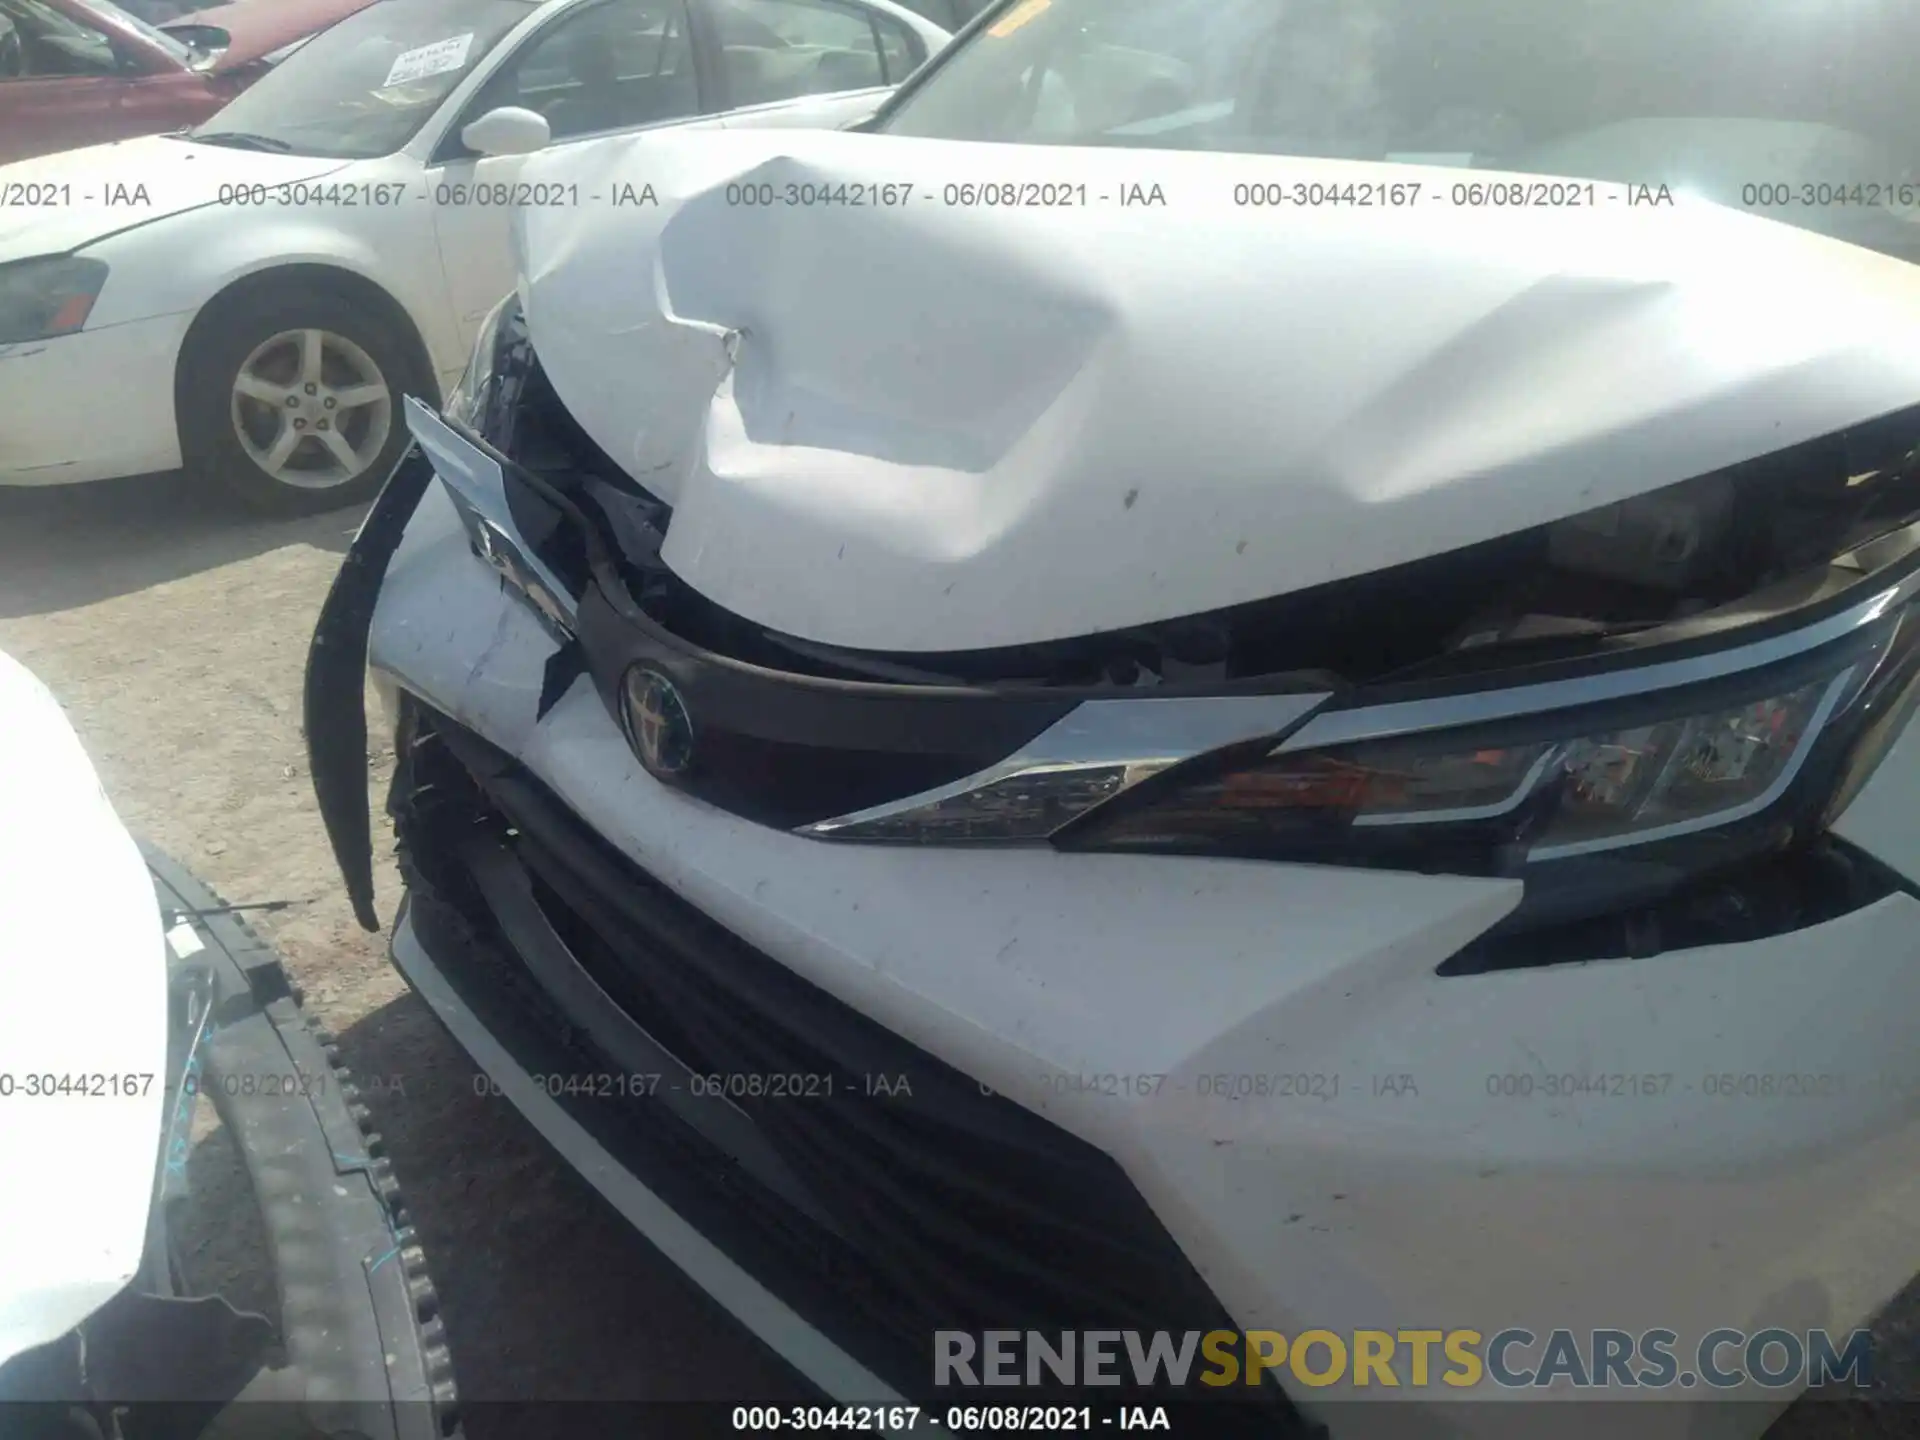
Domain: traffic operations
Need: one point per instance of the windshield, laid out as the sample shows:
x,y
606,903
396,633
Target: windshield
x,y
1803,110
366,85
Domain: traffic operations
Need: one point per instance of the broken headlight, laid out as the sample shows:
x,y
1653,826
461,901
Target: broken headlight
x,y
1628,791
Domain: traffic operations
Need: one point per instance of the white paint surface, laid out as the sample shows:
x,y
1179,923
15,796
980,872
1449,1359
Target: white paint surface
x,y
931,426
1446,1205
83,998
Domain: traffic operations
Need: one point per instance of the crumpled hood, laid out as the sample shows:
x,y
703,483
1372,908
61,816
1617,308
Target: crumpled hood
x,y
931,426
83,993
104,182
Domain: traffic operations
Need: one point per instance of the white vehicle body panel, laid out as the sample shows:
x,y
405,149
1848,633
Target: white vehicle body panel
x,y
102,190
83,993
50,430
1049,445
476,240
1446,1205
197,233
1049,442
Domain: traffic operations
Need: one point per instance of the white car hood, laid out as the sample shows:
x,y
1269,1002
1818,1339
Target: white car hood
x,y
931,426
101,190
83,994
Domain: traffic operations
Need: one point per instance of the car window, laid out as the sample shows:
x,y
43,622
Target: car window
x,y
899,55
366,85
1750,105
136,18
940,12
783,49
947,14
610,66
38,42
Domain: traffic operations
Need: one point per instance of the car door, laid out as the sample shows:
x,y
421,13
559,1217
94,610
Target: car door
x,y
596,68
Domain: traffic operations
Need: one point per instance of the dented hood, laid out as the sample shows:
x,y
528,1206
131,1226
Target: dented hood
x,y
932,423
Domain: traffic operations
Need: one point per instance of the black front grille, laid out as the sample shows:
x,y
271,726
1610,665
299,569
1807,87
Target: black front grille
x,y
933,1205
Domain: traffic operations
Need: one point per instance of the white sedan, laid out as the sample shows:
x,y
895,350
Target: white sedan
x,y
252,298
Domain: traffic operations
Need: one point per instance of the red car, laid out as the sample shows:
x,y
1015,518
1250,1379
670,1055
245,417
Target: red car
x,y
80,72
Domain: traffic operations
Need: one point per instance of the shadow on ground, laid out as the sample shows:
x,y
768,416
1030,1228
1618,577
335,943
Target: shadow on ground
x,y
69,546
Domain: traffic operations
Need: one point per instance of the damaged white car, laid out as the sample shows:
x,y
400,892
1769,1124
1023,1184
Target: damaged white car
x,y
130,998
1315,737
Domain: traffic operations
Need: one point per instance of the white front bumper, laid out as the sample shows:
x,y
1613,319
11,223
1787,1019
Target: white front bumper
x,y
91,406
1401,1191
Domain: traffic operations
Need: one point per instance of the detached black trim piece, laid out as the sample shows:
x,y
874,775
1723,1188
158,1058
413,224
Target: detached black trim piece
x,y
334,708
1774,894
788,750
363,1321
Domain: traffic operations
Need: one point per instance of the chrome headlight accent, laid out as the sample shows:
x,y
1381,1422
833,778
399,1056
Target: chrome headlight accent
x,y
1374,722
1100,750
477,485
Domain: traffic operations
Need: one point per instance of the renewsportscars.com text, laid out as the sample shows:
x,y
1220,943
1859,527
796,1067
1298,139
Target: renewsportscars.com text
x,y
1404,1359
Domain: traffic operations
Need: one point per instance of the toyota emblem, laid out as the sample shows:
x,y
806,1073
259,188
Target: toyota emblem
x,y
661,729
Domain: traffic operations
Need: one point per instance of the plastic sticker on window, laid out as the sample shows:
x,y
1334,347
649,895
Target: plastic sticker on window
x,y
1016,17
424,60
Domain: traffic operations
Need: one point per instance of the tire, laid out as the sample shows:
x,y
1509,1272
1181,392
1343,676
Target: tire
x,y
287,377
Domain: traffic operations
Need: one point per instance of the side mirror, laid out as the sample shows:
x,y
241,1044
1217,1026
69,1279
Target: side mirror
x,y
509,130
200,37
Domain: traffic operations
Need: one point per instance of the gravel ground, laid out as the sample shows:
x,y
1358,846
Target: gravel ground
x,y
175,633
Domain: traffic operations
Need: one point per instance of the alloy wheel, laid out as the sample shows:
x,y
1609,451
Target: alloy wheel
x,y
311,409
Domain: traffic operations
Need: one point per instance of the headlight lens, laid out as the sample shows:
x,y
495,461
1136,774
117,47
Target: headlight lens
x,y
1627,778
1575,786
1607,792
47,297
